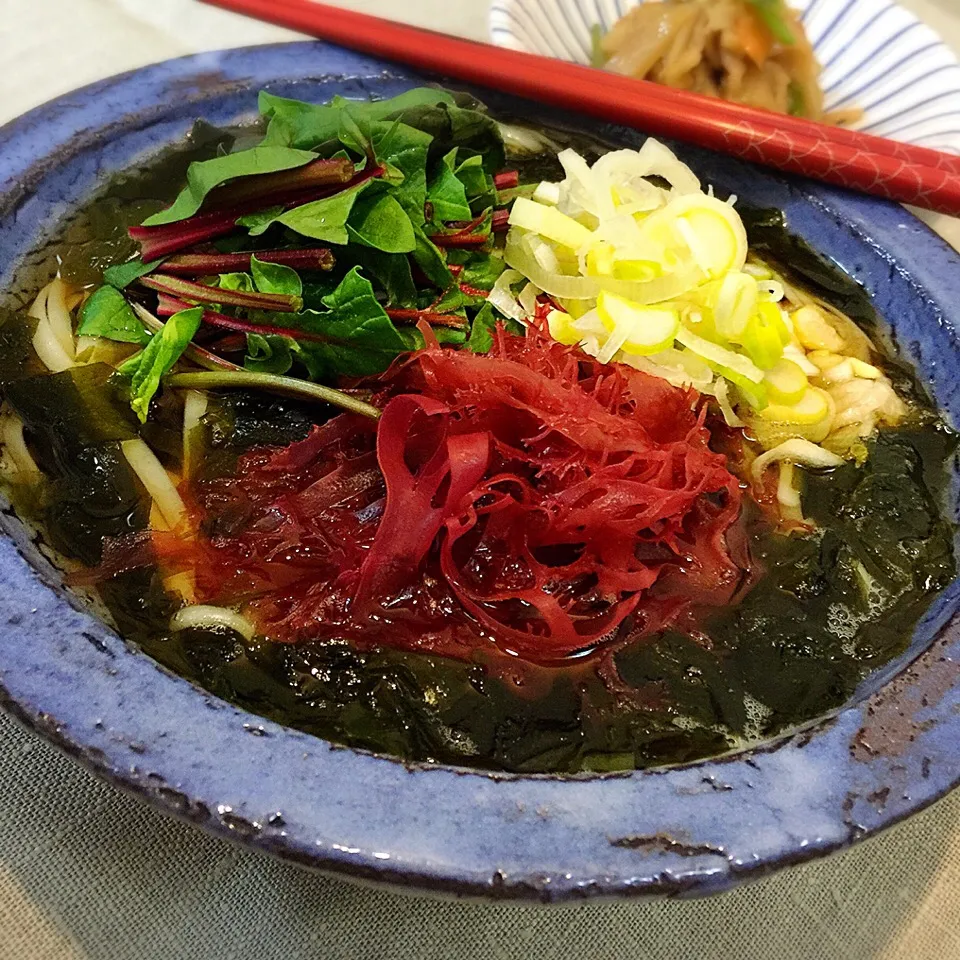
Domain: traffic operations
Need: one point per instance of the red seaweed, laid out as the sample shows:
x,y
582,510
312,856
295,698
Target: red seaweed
x,y
532,497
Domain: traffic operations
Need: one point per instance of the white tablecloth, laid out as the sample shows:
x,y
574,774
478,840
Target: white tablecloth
x,y
87,873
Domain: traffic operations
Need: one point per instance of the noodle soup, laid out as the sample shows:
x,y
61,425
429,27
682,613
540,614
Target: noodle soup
x,y
407,439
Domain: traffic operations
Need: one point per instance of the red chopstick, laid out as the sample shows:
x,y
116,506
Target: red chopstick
x,y
869,164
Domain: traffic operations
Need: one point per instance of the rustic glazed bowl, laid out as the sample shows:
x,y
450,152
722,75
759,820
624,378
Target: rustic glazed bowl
x,y
690,830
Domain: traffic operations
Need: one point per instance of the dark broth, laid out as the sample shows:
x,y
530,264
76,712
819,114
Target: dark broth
x,y
831,608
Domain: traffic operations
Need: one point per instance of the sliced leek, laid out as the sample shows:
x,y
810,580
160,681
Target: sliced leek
x,y
814,407
658,277
646,330
549,223
786,382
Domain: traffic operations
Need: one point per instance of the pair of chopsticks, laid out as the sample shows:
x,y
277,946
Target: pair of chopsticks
x,y
884,168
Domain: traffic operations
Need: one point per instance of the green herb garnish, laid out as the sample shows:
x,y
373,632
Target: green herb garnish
x,y
403,195
598,56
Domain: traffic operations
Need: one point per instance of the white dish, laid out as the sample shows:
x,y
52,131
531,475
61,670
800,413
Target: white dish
x,y
875,55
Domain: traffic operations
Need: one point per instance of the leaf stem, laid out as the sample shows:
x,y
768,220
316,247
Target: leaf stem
x,y
162,240
202,293
261,187
458,240
158,242
207,264
170,305
288,386
435,319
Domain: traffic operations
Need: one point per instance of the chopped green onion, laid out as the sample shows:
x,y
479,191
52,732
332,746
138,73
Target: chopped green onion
x,y
598,56
771,13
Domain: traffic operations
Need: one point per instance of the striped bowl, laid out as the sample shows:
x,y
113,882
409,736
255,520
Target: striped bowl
x,y
875,55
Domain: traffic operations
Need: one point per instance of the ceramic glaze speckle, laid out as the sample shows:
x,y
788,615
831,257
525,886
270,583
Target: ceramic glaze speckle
x,y
691,830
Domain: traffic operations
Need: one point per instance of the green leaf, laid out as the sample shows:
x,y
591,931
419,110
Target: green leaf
x,y
380,222
258,222
237,281
392,272
205,175
324,219
772,14
122,275
306,126
456,338
473,131
478,183
360,338
480,270
276,278
158,357
447,193
453,301
315,291
481,333
354,298
484,326
404,149
355,132
431,261
269,354
107,314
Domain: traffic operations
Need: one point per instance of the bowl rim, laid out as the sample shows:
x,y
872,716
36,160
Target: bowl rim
x,y
678,831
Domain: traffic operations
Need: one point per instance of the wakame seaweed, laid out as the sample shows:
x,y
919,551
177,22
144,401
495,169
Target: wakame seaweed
x,y
833,608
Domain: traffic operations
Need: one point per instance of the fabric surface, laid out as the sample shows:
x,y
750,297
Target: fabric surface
x,y
87,873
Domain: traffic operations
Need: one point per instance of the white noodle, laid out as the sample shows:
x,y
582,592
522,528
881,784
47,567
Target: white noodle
x,y
48,348
797,451
54,344
144,463
194,409
787,493
722,392
58,316
11,435
202,617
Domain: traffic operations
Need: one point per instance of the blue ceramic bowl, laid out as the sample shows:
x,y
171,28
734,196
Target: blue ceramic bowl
x,y
697,829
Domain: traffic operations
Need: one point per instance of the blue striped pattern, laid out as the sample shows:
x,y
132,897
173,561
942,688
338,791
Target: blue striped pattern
x,y
875,55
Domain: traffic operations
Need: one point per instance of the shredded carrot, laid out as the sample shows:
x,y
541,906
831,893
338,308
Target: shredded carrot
x,y
754,36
